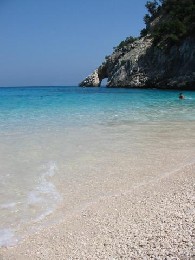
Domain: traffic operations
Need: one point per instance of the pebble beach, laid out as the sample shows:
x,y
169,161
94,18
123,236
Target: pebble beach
x,y
97,167
96,174
151,221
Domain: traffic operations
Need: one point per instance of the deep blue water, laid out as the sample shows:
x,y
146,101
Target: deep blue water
x,y
34,107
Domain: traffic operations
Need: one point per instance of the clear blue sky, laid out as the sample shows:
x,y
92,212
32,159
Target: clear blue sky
x,y
60,42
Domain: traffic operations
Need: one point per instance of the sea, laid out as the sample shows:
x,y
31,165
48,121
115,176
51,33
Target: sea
x,y
63,148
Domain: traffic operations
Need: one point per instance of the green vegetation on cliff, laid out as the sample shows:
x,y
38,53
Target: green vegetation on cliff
x,y
176,20
167,22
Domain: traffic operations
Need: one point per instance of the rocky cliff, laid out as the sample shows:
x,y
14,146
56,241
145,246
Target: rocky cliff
x,y
142,64
163,58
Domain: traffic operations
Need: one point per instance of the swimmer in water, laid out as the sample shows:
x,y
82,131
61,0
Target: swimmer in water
x,y
181,96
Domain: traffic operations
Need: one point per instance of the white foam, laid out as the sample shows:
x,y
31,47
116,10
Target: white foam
x,y
44,215
39,203
7,237
45,194
33,198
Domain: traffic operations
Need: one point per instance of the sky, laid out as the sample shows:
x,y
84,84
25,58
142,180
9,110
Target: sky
x,y
60,42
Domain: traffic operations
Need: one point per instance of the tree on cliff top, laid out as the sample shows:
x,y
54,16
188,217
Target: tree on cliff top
x,y
177,20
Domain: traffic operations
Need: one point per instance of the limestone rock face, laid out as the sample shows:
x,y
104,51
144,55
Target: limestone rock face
x,y
92,80
142,64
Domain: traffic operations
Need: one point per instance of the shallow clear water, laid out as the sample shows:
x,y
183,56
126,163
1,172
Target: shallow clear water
x,y
64,147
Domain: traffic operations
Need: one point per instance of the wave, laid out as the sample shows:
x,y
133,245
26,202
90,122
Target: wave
x,y
39,203
7,237
45,193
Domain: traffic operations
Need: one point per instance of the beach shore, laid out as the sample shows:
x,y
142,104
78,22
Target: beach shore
x,y
153,220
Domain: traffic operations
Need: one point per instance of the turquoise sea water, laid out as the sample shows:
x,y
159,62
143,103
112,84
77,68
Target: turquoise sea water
x,y
63,147
33,107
